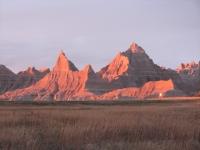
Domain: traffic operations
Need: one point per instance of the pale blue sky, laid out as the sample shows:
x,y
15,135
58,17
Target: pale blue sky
x,y
32,32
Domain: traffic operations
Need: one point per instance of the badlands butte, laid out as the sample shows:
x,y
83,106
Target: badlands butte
x,y
130,75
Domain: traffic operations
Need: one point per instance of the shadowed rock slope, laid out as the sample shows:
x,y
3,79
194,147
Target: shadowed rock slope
x,y
7,79
190,74
10,81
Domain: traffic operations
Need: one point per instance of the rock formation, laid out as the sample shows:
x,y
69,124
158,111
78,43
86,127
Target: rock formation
x,y
63,64
7,79
64,82
44,70
10,81
190,74
131,74
148,90
133,68
188,66
29,77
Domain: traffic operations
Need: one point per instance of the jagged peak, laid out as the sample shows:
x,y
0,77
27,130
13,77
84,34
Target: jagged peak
x,y
181,66
136,49
61,53
192,63
163,67
88,68
44,70
30,70
119,54
133,47
63,64
5,70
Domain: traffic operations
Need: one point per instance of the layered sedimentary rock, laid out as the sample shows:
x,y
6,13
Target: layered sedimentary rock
x,y
149,89
133,68
10,81
190,74
64,82
7,79
131,74
188,66
29,77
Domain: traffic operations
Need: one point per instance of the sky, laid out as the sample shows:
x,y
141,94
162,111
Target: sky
x,y
33,32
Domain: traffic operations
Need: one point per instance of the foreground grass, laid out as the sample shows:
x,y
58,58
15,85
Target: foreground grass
x,y
100,125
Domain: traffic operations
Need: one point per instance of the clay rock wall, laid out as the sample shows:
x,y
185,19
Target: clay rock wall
x,y
150,89
10,81
133,68
131,74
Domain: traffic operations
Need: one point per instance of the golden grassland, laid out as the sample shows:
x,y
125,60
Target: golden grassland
x,y
100,125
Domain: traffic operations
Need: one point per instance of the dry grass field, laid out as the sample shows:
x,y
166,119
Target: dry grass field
x,y
129,125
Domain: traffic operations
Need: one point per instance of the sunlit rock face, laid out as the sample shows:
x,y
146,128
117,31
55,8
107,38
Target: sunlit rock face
x,y
131,74
148,90
188,66
190,74
133,68
64,82
64,64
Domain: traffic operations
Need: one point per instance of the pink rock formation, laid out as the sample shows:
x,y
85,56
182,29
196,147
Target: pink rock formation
x,y
64,82
131,74
44,70
133,68
116,68
188,66
64,64
150,89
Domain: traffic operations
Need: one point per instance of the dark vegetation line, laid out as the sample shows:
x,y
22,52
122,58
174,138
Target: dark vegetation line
x,y
94,103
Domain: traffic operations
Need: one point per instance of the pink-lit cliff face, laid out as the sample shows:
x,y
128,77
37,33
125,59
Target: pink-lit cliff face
x,y
44,70
64,82
150,89
131,74
64,64
136,49
188,66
